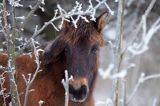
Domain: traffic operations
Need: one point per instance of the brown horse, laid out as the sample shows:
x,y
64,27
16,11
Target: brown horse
x,y
75,50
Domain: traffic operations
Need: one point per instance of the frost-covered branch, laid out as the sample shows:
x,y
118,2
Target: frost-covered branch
x,y
107,74
107,102
118,49
2,91
15,3
40,103
62,14
3,30
155,102
65,83
30,79
31,13
15,101
123,99
141,80
140,48
6,28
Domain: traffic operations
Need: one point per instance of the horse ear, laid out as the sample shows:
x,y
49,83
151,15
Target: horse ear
x,y
53,51
102,20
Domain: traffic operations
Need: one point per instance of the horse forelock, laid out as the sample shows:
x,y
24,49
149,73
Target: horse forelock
x,y
84,30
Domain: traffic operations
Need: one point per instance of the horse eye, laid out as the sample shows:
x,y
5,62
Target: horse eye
x,y
66,49
94,49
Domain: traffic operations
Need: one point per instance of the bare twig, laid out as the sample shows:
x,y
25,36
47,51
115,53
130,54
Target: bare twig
x,y
6,28
40,103
106,73
15,101
30,80
143,45
141,80
2,79
3,31
107,102
123,92
30,14
155,102
138,28
65,83
117,52
77,10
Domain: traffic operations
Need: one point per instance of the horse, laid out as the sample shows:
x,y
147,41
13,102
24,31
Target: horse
x,y
75,50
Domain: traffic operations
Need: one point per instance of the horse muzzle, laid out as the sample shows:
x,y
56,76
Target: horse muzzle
x,y
78,90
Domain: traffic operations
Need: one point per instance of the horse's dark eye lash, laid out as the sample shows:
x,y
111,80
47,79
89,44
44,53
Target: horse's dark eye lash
x,y
94,49
66,49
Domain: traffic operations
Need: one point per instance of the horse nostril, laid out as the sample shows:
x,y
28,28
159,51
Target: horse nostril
x,y
78,95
